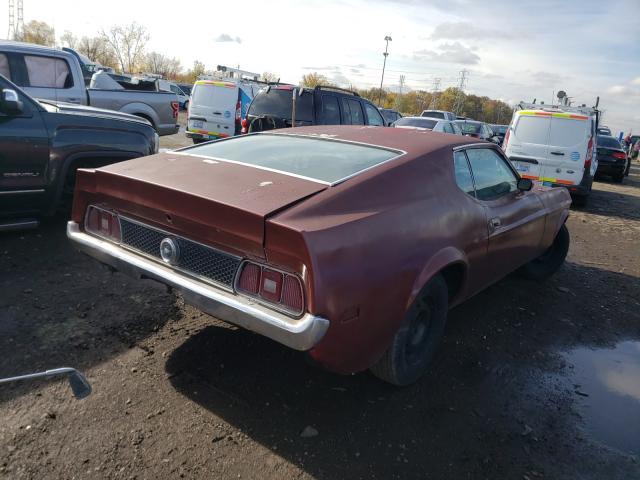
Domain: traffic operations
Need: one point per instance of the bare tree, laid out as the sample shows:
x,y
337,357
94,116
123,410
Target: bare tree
x,y
162,65
37,32
68,39
98,50
269,77
128,44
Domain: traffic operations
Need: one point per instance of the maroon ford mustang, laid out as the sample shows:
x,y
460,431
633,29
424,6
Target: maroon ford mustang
x,y
348,242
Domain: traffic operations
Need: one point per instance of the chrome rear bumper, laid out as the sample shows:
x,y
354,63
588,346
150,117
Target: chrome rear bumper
x,y
299,334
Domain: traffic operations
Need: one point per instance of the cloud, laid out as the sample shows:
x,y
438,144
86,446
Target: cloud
x,y
225,37
321,69
624,91
449,53
635,81
466,30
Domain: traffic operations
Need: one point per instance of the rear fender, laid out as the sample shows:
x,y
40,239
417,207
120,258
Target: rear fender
x,y
444,258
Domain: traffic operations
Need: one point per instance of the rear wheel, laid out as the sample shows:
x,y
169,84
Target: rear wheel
x,y
415,343
550,261
580,200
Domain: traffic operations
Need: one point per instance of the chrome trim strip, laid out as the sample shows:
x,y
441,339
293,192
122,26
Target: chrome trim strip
x,y
15,192
301,334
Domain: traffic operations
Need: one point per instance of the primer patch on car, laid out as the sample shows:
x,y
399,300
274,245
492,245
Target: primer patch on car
x,y
264,184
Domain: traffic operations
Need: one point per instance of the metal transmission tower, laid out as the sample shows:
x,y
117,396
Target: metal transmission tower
x,y
457,104
20,22
15,28
399,96
434,94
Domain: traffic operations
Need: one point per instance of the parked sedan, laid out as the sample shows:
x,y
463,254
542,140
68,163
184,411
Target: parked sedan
x,y
612,159
424,123
348,242
499,131
476,129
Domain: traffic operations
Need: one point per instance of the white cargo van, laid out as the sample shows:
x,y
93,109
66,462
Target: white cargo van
x,y
554,146
217,108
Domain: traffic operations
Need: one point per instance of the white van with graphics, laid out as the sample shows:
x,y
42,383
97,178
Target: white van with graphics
x,y
217,107
555,146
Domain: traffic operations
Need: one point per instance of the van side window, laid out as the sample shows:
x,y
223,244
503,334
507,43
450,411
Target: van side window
x,y
330,110
357,117
48,72
4,66
463,174
492,176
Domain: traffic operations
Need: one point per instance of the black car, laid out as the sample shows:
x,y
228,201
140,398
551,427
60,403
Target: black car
x,y
42,144
612,159
390,115
500,131
477,129
274,106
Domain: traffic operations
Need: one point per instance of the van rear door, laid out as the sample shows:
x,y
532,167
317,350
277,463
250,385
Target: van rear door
x,y
568,139
212,112
528,146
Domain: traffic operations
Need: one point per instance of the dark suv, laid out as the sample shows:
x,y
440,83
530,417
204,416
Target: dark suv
x,y
273,107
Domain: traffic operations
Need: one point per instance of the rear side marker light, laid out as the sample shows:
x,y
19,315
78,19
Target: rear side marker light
x,y
175,109
103,223
279,289
619,155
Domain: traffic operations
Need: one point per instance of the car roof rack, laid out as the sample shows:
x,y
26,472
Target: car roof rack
x,y
583,109
337,89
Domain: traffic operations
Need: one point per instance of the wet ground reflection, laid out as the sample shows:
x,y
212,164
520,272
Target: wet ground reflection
x,y
608,382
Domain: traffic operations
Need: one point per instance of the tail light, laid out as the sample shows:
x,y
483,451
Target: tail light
x,y
245,126
103,223
587,160
619,155
175,107
506,139
278,289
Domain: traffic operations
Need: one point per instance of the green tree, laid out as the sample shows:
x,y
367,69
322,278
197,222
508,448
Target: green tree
x,y
314,79
37,32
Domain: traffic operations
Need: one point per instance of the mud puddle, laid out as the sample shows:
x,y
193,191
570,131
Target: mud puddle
x,y
607,384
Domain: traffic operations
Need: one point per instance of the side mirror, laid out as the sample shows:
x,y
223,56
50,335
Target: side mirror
x,y
525,184
10,102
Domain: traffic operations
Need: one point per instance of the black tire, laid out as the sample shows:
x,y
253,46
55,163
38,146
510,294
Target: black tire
x,y
186,105
417,339
550,261
618,178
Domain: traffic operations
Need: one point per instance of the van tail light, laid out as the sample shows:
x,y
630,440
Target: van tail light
x,y
103,223
175,108
587,160
245,126
506,139
278,289
619,155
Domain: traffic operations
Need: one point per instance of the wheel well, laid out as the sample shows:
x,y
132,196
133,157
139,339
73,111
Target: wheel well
x,y
454,276
146,117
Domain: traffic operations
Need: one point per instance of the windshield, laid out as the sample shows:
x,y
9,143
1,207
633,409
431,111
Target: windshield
x,y
432,114
468,127
317,159
416,122
278,103
499,129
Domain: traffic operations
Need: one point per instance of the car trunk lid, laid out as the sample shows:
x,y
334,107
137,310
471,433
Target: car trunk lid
x,y
219,202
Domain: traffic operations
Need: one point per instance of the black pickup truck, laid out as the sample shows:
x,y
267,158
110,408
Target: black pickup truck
x,y
43,143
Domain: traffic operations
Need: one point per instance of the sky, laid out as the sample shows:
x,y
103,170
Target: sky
x,y
512,50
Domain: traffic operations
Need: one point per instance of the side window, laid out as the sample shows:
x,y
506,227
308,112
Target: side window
x,y
463,174
175,90
48,72
4,66
330,110
373,115
456,129
448,128
493,177
357,117
346,112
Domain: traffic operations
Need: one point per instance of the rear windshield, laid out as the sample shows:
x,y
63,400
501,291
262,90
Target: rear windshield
x,y
468,127
533,129
210,94
415,122
431,114
499,129
278,103
568,132
608,142
317,159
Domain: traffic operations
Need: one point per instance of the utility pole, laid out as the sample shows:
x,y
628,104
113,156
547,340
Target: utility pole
x,y
457,104
12,21
20,22
384,64
433,105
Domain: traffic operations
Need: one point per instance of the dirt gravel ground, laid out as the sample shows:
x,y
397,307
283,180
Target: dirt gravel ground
x,y
178,394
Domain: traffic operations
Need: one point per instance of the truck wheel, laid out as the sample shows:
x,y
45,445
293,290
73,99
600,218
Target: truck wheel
x,y
550,261
415,343
580,200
